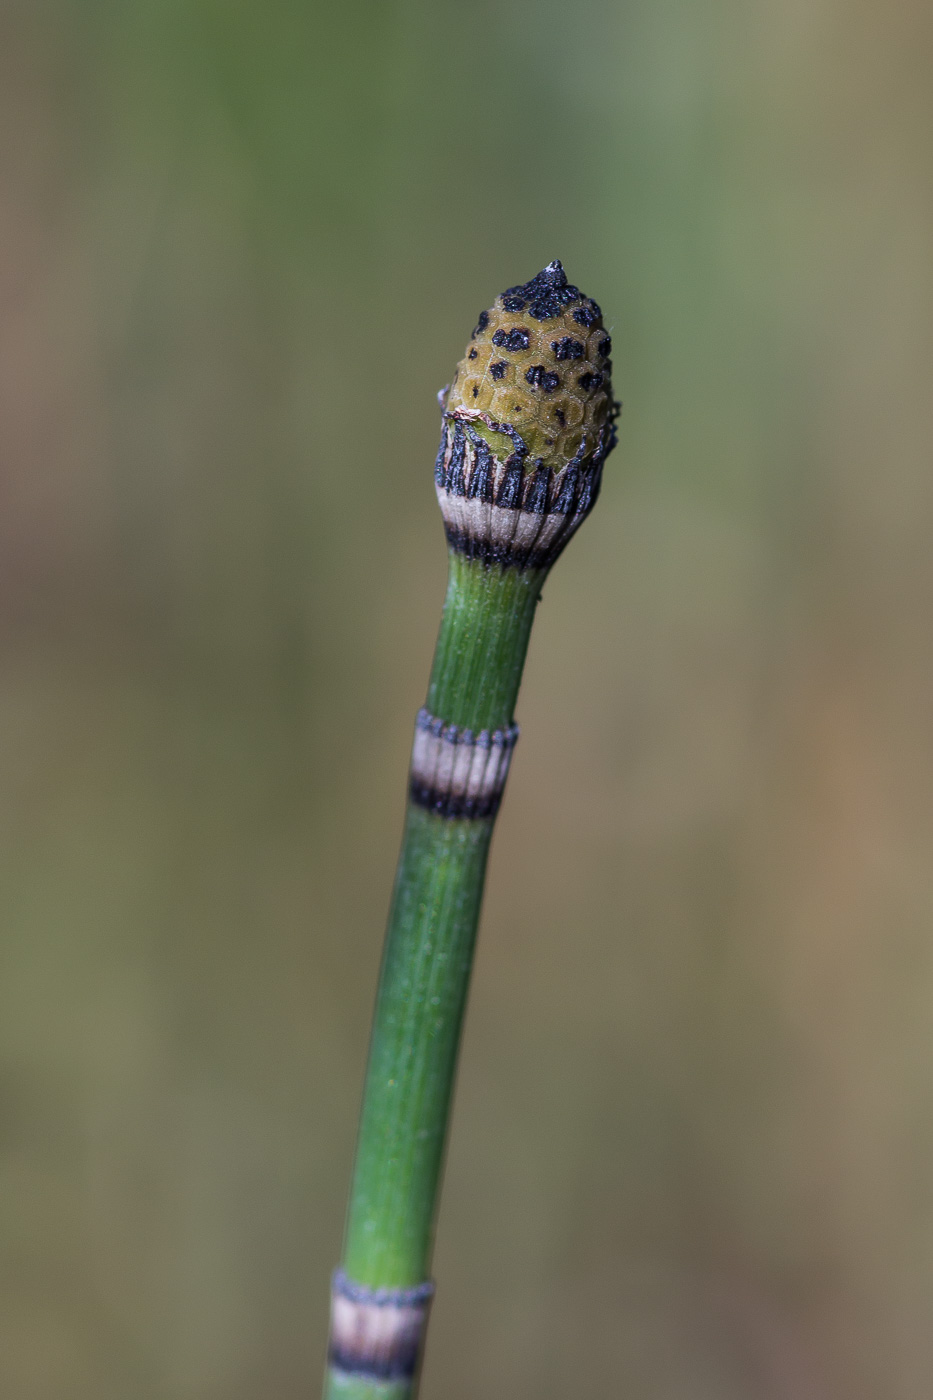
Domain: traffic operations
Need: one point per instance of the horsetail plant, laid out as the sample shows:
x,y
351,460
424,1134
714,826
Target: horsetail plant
x,y
527,423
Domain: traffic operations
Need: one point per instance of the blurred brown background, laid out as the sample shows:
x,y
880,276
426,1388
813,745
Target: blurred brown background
x,y
242,246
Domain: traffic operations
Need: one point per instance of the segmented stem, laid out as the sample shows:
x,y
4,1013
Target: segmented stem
x,y
507,519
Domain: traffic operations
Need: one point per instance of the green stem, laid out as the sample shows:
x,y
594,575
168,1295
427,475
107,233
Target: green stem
x,y
428,954
340,1386
422,992
482,643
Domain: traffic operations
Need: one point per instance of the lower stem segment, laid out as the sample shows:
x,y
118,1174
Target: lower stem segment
x,y
419,1010
422,996
342,1386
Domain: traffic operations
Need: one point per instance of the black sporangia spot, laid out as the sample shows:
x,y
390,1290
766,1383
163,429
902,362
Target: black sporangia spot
x,y
587,314
511,303
605,346
515,339
567,348
475,391
547,380
481,324
561,416
548,293
498,369
472,354
590,380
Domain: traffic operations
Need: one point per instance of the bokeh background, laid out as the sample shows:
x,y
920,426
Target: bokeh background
x,y
241,247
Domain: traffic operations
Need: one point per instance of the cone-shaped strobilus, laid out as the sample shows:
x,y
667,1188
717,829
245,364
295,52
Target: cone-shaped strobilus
x,y
528,422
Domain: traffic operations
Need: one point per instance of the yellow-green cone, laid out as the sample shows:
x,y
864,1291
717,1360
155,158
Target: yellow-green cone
x,y
538,361
528,422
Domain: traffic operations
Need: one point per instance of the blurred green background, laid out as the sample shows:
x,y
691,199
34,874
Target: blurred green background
x,y
241,248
